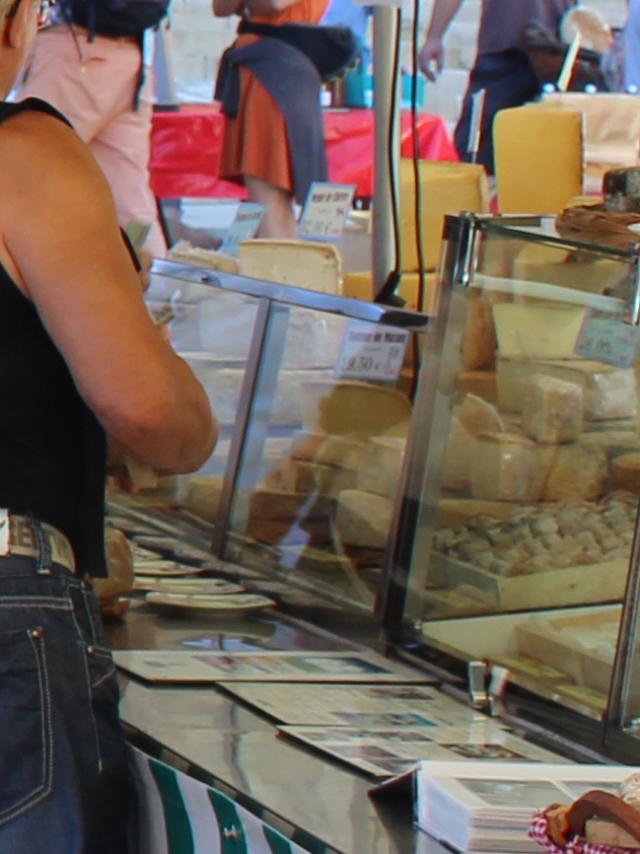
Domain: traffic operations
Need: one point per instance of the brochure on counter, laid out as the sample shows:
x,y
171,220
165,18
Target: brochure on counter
x,y
388,752
364,706
488,806
221,666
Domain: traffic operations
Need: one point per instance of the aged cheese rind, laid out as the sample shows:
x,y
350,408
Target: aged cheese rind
x,y
609,393
363,519
552,410
380,467
625,471
478,416
576,473
503,468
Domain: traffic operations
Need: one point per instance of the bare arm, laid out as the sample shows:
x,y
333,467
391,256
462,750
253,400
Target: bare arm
x,y
431,51
61,243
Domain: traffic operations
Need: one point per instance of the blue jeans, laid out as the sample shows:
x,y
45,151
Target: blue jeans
x,y
509,80
64,786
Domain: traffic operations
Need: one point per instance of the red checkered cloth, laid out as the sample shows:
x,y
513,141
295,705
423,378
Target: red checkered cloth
x,y
538,832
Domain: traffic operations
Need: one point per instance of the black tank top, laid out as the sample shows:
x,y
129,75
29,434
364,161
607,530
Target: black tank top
x,y
52,448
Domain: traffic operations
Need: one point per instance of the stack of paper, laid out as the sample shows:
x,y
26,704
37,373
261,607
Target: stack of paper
x,y
488,806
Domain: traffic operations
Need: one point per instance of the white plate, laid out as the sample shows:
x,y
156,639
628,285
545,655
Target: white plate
x,y
230,605
206,586
168,568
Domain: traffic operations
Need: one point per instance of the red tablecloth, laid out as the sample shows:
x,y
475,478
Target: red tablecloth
x,y
185,149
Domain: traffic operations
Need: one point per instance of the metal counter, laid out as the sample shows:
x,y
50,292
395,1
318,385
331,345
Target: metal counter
x,y
217,739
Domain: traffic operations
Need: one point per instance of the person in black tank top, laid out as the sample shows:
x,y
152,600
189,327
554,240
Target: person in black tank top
x,y
80,359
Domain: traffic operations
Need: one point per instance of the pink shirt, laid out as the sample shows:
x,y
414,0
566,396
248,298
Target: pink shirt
x,y
503,21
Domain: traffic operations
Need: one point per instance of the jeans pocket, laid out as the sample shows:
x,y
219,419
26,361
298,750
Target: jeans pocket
x,y
103,688
26,742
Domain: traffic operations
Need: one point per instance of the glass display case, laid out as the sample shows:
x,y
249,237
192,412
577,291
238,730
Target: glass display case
x,y
515,539
313,395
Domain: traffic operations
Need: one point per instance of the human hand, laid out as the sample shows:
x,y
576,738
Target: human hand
x,y
431,58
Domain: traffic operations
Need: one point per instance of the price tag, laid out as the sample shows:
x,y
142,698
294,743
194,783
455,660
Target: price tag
x,y
371,352
607,340
244,226
325,210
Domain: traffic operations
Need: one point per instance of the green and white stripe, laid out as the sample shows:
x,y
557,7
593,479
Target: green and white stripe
x,y
180,815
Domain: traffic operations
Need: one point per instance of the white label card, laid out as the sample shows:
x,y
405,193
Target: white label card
x,y
244,226
4,531
607,340
371,352
325,210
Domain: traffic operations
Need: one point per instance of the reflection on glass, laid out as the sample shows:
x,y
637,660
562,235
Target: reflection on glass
x,y
529,531
322,463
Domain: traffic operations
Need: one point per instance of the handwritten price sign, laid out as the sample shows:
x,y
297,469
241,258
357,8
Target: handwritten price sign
x,y
326,210
608,340
370,352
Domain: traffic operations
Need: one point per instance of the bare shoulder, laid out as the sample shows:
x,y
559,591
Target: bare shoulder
x,y
40,152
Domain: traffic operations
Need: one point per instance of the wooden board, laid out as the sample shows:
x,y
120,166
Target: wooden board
x,y
577,585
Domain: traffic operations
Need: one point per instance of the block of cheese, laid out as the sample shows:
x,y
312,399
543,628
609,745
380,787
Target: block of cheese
x,y
552,410
576,473
625,472
479,337
503,467
185,253
526,331
363,519
273,505
380,467
477,416
480,383
450,188
353,408
342,451
303,263
539,158
456,474
317,478
608,393
202,496
541,263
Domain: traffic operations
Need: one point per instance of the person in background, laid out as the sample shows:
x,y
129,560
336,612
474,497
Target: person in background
x,y
346,13
273,135
631,45
95,75
80,359
501,68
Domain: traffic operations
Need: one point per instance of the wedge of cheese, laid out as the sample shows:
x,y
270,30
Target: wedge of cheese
x,y
306,264
608,393
503,468
351,408
552,410
526,331
363,519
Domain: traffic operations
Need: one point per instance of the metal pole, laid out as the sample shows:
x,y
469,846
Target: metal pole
x,y
385,25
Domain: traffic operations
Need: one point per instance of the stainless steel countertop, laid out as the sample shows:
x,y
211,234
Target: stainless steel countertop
x,y
206,731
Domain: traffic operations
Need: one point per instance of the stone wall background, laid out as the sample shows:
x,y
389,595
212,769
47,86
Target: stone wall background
x,y
197,40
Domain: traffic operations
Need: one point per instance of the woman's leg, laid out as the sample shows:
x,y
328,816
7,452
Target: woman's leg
x,y
278,220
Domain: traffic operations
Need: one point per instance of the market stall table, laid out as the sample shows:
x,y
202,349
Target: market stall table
x,y
186,144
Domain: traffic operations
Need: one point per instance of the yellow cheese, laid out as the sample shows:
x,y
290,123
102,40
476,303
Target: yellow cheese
x,y
625,471
537,331
314,266
341,451
380,467
608,393
541,263
503,468
576,473
363,519
552,410
183,252
456,474
316,478
477,416
539,158
354,408
447,188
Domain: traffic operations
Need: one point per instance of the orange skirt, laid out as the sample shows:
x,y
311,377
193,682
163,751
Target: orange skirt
x,y
255,142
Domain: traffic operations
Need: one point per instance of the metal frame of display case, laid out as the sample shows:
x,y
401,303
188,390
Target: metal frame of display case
x,y
274,301
399,609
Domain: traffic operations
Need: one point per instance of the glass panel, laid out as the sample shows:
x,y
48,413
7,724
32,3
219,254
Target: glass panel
x,y
533,470
321,467
212,330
